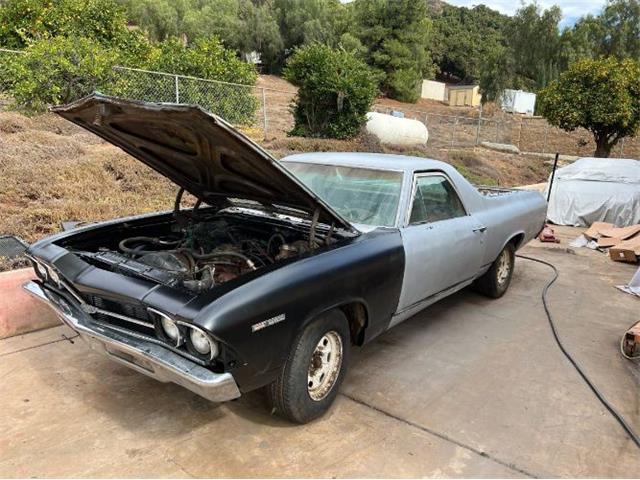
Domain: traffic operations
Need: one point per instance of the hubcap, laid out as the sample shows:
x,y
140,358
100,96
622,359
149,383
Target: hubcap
x,y
504,267
324,366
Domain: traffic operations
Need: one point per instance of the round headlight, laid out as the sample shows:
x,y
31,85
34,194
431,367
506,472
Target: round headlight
x,y
170,328
203,344
41,270
53,275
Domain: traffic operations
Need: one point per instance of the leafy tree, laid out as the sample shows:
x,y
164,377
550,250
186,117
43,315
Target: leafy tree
x,y
463,37
24,21
615,32
205,58
260,32
602,96
397,34
59,70
336,90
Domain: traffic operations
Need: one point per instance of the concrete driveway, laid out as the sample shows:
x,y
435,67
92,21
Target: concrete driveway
x,y
470,387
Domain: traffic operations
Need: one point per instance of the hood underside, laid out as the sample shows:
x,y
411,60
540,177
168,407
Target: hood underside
x,y
198,151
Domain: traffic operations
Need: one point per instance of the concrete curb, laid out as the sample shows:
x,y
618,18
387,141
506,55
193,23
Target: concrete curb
x,y
19,312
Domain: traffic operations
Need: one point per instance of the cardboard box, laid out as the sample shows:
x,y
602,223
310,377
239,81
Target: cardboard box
x,y
626,251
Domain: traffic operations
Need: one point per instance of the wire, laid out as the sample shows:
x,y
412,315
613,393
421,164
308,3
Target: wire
x,y
632,434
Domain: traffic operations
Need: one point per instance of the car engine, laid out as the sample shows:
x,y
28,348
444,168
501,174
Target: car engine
x,y
202,254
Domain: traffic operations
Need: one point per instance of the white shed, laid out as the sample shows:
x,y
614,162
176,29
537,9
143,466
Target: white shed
x,y
433,90
518,101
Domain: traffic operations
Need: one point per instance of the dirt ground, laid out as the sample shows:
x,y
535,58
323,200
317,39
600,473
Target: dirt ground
x,y
53,171
530,134
471,387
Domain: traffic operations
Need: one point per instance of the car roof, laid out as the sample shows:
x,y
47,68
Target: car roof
x,y
377,161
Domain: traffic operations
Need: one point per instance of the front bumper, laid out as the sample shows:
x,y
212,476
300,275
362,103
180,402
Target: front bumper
x,y
143,356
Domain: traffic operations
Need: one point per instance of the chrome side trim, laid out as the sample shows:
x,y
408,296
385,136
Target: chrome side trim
x,y
138,352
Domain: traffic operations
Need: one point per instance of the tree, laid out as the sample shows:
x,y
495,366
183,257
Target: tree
x,y
614,32
602,96
58,70
335,91
25,21
397,35
463,37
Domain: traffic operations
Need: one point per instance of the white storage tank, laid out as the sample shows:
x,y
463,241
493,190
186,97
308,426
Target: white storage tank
x,y
396,131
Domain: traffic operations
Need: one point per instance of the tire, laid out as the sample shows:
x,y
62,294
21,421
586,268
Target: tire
x,y
495,282
293,395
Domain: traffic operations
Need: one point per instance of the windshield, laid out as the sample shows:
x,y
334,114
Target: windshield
x,y
360,195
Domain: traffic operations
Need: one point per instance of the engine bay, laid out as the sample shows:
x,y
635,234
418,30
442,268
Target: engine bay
x,y
197,253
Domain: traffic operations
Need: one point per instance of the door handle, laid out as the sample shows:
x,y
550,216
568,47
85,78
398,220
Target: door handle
x,y
480,229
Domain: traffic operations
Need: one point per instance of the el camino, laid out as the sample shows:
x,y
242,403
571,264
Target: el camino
x,y
281,267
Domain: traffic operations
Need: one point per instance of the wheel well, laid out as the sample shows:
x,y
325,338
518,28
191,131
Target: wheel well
x,y
356,314
517,240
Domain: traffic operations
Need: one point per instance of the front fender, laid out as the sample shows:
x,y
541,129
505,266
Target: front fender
x,y
260,319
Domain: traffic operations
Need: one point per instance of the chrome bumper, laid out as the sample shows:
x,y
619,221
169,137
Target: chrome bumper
x,y
145,357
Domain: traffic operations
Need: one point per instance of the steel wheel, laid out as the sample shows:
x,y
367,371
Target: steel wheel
x,y
503,269
324,366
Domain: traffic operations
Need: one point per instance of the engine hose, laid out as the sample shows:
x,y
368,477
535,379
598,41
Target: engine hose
x,y
209,256
140,251
619,418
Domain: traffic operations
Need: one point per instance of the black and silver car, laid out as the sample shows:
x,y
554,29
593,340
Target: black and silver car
x,y
280,268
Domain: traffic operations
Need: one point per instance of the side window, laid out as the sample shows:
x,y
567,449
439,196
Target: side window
x,y
435,199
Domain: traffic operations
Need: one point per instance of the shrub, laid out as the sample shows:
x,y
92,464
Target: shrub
x,y
25,21
336,90
205,58
59,70
602,96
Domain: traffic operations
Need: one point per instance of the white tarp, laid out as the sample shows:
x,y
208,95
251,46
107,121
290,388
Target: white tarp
x,y
596,189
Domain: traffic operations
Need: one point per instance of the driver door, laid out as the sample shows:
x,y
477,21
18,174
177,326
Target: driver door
x,y
444,245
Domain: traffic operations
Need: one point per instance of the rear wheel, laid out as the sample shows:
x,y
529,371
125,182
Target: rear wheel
x,y
495,282
308,382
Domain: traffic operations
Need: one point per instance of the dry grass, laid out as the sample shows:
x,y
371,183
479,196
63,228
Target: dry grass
x,y
67,174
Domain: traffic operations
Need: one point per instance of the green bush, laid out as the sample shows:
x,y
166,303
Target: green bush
x,y
335,91
59,70
205,58
25,21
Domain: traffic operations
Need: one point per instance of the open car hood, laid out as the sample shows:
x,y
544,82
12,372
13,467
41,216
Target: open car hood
x,y
198,151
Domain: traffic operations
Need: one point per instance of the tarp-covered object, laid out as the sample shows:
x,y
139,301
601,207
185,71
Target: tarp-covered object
x,y
596,189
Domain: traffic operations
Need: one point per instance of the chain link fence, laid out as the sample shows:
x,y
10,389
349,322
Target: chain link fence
x,y
265,113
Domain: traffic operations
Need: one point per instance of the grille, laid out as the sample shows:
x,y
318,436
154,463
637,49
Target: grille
x,y
138,312
130,310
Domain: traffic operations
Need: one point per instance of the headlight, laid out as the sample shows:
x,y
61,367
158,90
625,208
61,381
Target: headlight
x,y
170,329
41,270
53,275
203,344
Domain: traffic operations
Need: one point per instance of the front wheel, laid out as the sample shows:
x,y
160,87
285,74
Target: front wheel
x,y
309,380
496,280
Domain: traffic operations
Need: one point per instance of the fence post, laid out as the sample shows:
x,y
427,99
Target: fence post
x,y
453,131
544,142
426,120
497,130
264,112
520,132
177,88
622,148
478,128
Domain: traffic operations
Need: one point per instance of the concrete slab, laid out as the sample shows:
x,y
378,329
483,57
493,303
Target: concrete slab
x,y
19,312
470,387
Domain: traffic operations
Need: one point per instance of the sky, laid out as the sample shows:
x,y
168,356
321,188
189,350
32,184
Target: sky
x,y
571,9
